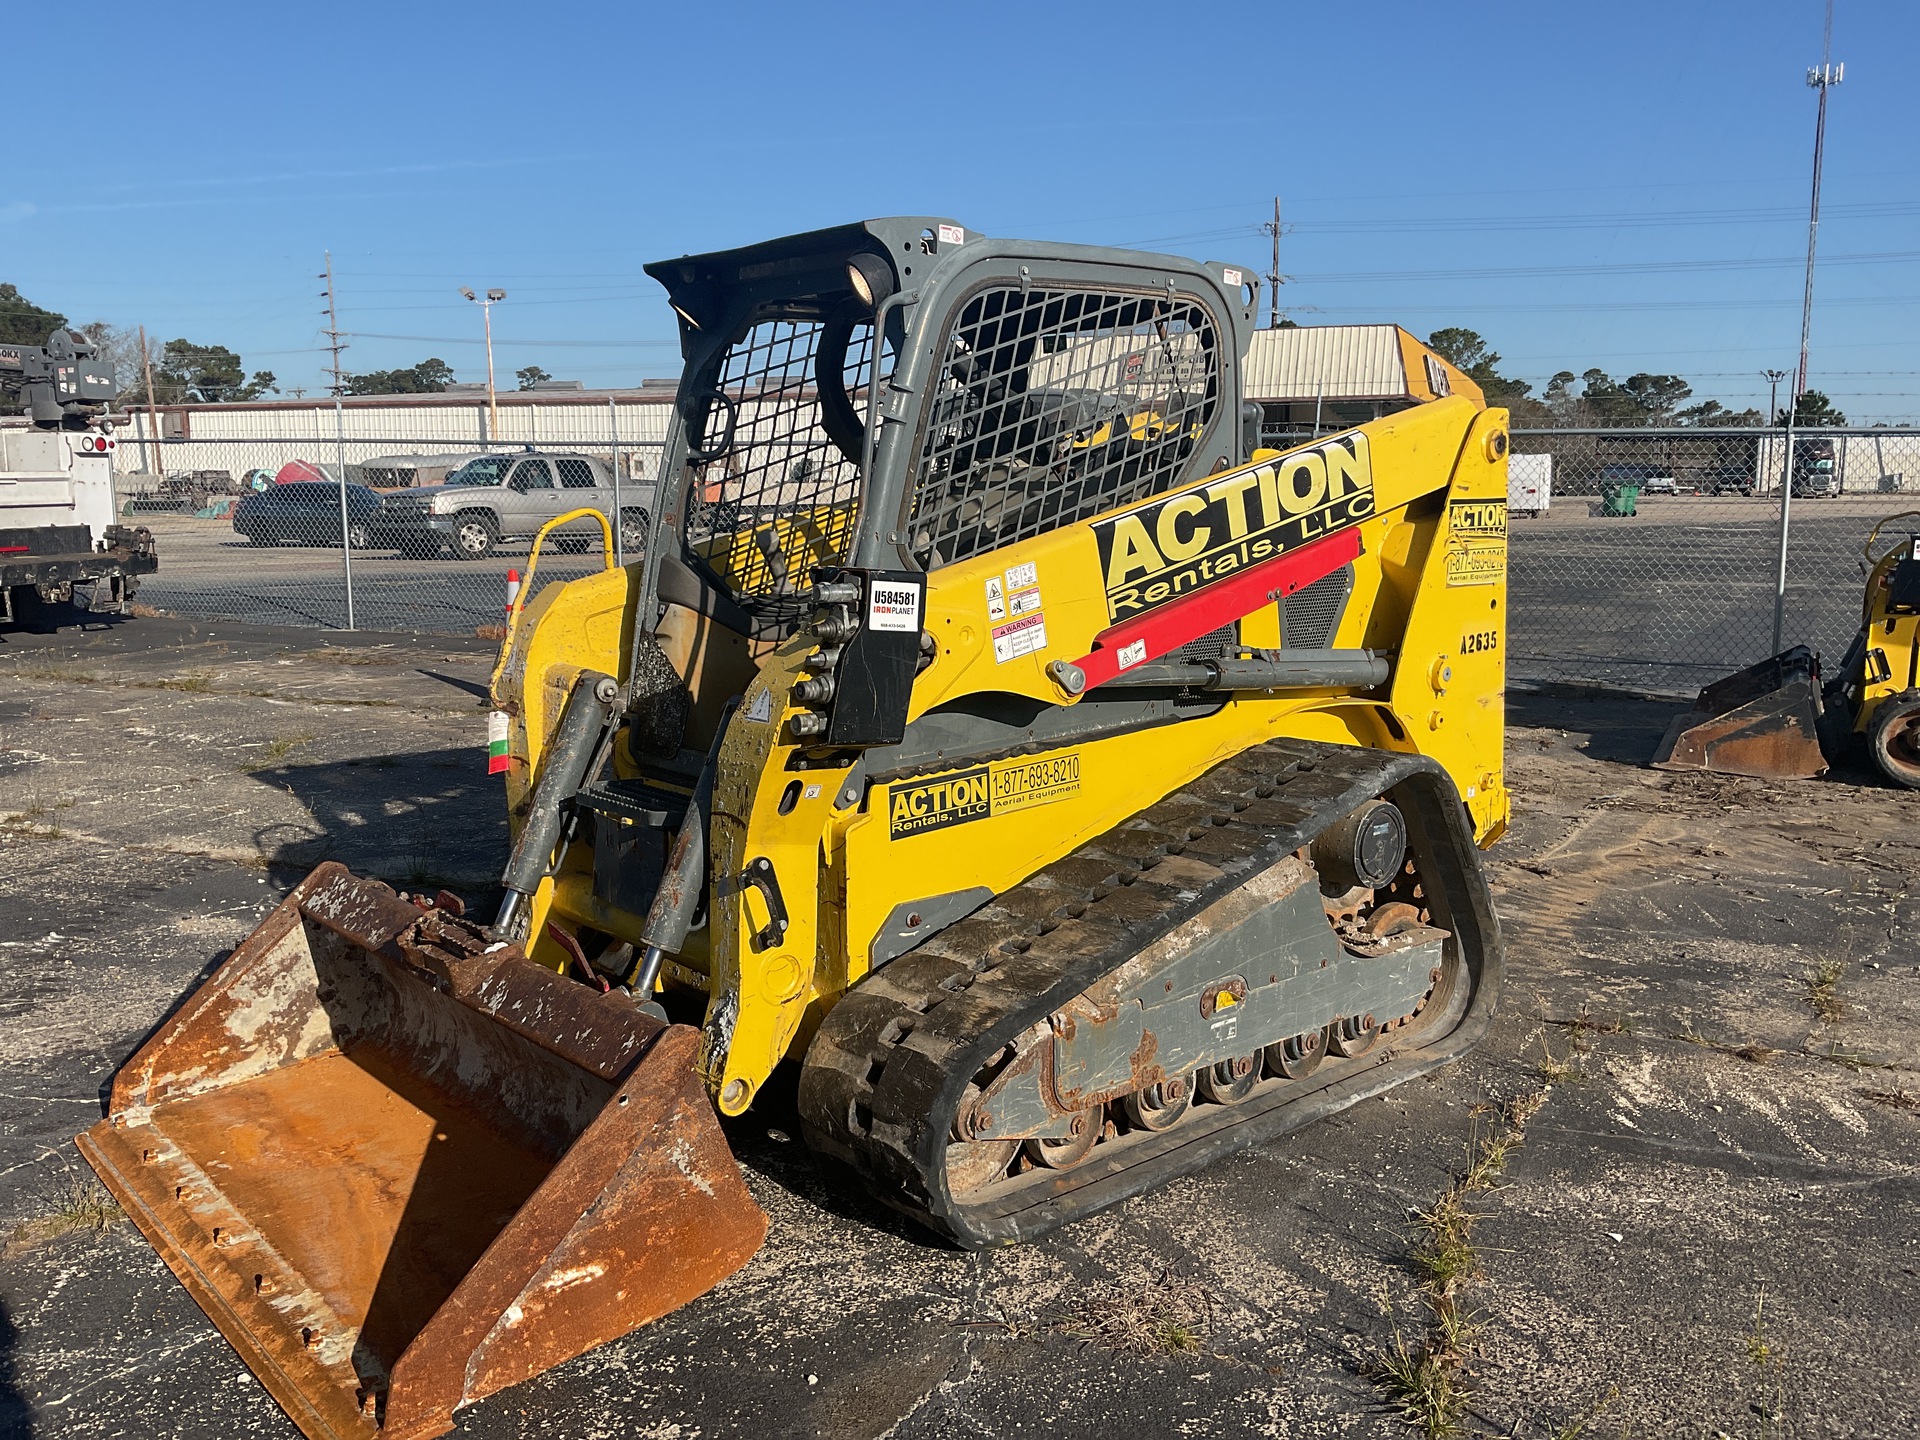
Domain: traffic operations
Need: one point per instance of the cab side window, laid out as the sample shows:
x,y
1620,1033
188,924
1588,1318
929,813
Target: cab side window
x,y
576,474
533,475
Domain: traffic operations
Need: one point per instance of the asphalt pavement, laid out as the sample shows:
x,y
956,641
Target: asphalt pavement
x,y
1707,1231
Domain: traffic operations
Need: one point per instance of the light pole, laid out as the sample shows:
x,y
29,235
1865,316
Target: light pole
x,y
1773,379
493,297
1822,79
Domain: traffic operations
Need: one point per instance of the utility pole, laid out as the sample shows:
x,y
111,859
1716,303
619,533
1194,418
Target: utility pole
x,y
1274,277
153,415
332,332
493,297
1822,80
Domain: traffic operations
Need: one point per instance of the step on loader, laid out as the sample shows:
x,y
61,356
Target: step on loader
x,y
1072,789
1777,720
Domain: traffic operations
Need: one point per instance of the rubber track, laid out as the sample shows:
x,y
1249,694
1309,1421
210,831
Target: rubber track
x,y
891,1063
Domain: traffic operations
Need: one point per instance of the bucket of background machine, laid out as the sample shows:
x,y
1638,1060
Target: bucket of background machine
x,y
402,1167
1763,721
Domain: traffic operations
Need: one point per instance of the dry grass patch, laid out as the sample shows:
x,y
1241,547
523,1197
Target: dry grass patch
x,y
1165,1314
1425,1376
1892,1099
341,655
1823,990
77,1202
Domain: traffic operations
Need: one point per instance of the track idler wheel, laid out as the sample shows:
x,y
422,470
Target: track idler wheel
x,y
1354,1036
974,1163
1069,1150
1299,1057
1230,1081
1161,1106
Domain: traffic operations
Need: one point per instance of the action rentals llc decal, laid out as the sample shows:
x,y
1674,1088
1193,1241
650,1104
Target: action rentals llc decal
x,y
1476,542
1174,545
998,789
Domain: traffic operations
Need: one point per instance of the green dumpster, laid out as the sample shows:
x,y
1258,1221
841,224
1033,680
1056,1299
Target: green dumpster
x,y
1619,499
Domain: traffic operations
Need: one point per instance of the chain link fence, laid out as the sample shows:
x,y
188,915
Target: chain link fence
x,y
1639,559
1650,559
253,529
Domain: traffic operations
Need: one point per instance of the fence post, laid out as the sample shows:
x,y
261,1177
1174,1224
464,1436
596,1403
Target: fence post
x,y
1786,506
346,543
619,542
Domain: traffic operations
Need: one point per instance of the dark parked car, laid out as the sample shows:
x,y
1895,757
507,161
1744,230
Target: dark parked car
x,y
1727,480
307,512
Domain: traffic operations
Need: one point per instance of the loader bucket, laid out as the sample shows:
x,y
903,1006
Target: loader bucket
x,y
402,1167
1764,720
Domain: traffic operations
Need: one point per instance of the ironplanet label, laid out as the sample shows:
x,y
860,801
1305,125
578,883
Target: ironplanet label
x,y
1173,545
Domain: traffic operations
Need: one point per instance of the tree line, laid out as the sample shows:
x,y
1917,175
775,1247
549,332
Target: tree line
x,y
187,372
1596,399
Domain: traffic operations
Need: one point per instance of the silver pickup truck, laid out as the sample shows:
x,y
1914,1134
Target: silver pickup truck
x,y
507,497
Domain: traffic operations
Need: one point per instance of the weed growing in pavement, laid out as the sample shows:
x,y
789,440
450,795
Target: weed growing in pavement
x,y
340,655
1577,1426
1892,1099
1749,1051
1584,1024
1165,1314
1823,992
1769,1360
54,672
274,751
1425,1376
200,682
1424,1384
1553,1069
1758,1054
77,1202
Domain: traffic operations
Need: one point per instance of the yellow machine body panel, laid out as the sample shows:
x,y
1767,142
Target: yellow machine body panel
x,y
1890,638
1430,582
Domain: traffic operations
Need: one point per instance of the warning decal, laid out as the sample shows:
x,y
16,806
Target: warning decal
x,y
1025,636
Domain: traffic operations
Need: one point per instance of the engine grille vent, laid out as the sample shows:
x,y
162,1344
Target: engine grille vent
x,y
1214,645
1309,616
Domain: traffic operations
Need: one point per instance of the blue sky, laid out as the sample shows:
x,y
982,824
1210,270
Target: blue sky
x,y
1618,184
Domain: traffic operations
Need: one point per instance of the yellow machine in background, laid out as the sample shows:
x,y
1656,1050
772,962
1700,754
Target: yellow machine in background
x,y
1776,720
1073,790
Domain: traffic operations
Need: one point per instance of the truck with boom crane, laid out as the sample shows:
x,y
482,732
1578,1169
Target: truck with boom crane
x,y
58,529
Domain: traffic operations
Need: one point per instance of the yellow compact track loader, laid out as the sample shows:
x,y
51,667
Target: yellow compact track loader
x,y
1777,721
1074,791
